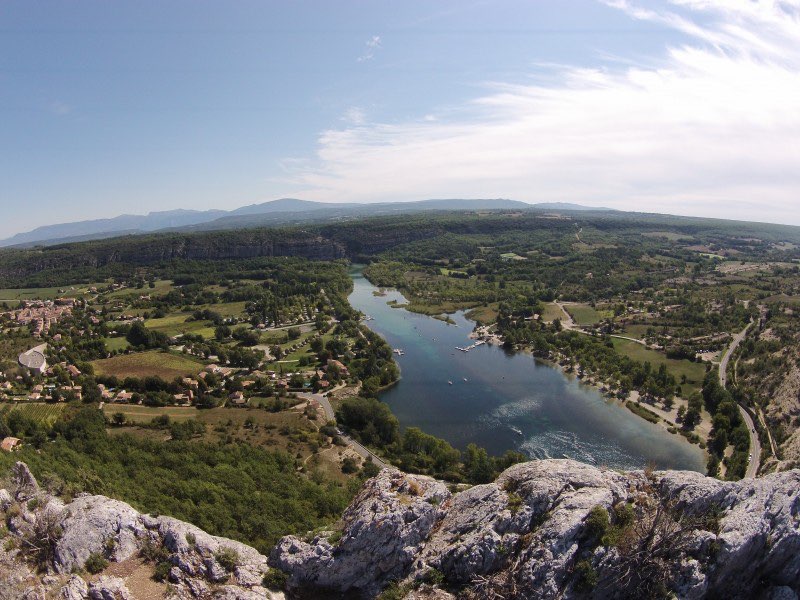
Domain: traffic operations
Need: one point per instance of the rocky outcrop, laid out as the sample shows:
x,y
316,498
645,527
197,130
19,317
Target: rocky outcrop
x,y
558,528
93,533
544,529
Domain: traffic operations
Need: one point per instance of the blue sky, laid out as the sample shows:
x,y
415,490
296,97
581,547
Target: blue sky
x,y
688,106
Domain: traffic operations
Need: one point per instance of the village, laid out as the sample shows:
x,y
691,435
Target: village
x,y
117,348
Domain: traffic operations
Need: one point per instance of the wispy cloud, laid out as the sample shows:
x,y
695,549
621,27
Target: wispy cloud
x,y
355,115
371,46
59,108
712,128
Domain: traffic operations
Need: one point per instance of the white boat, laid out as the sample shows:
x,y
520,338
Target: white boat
x,y
517,431
450,383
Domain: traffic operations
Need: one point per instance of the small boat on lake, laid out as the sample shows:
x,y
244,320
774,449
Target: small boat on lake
x,y
515,430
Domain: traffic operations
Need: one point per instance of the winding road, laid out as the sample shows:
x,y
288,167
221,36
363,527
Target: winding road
x,y
362,451
755,443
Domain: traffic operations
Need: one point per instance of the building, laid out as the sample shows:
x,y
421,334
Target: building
x,y
10,444
34,359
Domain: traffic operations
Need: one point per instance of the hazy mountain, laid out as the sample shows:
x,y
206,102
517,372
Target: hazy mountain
x,y
566,206
124,224
284,211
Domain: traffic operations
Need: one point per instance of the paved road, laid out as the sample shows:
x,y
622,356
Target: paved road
x,y
755,443
331,416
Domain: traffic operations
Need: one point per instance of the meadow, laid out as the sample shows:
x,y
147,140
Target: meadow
x,y
165,365
694,372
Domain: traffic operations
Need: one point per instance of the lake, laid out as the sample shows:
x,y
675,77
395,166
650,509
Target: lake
x,y
504,401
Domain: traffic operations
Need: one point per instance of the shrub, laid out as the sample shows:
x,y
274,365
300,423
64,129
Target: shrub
x,y
228,558
596,523
395,591
275,579
585,576
162,571
153,553
433,577
190,539
514,502
95,563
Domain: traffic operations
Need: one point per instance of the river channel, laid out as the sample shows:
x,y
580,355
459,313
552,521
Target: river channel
x,y
504,401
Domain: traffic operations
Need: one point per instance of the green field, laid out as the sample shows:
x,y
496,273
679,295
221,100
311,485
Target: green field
x,y
144,414
552,312
165,365
484,314
695,372
583,314
46,414
116,343
228,309
176,324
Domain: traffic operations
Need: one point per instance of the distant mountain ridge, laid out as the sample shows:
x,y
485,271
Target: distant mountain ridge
x,y
283,211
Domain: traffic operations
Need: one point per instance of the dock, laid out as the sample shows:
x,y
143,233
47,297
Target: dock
x,y
471,346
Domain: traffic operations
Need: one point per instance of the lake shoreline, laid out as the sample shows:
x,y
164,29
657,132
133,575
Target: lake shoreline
x,y
459,413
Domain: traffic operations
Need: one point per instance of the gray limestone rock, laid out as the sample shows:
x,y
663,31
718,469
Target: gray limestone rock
x,y
384,529
524,535
74,589
109,588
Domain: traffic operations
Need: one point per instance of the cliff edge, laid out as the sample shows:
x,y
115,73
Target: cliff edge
x,y
558,529
544,529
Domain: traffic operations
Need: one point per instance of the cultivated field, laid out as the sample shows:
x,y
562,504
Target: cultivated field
x,y
46,414
165,365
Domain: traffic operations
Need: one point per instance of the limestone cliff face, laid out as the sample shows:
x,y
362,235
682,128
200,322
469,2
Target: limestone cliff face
x,y
51,547
544,529
559,529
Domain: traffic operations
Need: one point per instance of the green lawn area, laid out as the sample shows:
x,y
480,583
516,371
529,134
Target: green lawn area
x,y
484,314
227,309
695,372
116,343
583,314
144,414
166,365
551,312
635,331
176,323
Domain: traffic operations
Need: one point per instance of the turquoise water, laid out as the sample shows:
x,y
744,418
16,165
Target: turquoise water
x,y
504,401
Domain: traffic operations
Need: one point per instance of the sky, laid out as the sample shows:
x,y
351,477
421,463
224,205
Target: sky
x,y
682,106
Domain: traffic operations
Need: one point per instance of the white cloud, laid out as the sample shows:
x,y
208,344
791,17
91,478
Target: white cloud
x,y
713,129
372,44
355,115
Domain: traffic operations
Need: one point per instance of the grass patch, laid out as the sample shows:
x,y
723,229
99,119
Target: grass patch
x,y
583,314
165,365
694,372
176,324
116,344
551,312
484,314
648,415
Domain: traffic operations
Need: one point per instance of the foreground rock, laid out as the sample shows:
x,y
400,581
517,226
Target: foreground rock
x,y
50,541
558,528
